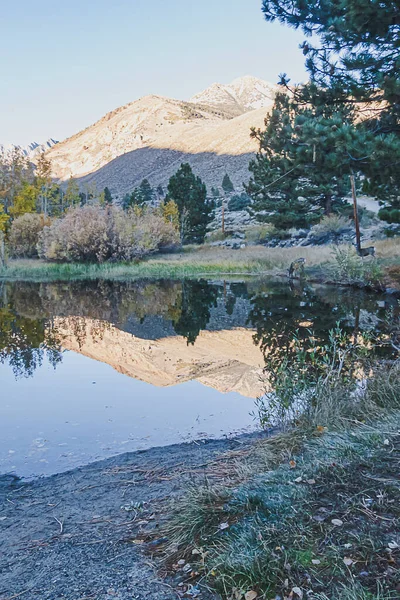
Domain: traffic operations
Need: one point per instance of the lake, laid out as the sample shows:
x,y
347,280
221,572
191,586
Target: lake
x,y
91,369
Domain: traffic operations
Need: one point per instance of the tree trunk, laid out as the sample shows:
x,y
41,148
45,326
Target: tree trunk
x,y
356,222
328,204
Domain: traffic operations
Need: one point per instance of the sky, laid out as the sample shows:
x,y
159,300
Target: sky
x,y
64,64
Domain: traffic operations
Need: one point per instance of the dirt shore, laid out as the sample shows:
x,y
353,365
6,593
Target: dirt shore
x,y
85,534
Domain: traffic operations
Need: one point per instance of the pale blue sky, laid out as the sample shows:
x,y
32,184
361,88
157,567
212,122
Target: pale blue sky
x,y
64,64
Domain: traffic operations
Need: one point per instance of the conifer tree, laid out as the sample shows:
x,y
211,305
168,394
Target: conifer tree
x,y
108,199
195,211
227,184
356,56
357,52
146,191
307,154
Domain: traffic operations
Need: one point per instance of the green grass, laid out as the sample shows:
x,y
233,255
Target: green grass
x,y
203,261
315,509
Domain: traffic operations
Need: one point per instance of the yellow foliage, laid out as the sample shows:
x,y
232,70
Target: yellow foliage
x,y
3,219
170,213
25,200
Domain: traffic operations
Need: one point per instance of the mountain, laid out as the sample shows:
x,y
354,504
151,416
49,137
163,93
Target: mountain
x,y
243,94
152,136
34,148
31,150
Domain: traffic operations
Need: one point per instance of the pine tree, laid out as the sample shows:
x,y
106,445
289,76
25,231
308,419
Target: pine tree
x,y
195,211
108,199
144,194
357,57
160,191
146,191
227,184
306,157
358,53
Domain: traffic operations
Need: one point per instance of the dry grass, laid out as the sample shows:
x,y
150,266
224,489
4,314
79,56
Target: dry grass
x,y
197,261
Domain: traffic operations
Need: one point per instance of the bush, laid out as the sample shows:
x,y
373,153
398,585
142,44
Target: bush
x,y
349,268
24,235
239,202
94,234
261,233
389,215
332,224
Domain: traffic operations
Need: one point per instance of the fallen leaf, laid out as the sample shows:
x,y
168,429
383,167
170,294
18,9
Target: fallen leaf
x,y
393,545
386,443
337,522
292,464
311,481
347,546
138,542
181,562
348,561
252,595
321,429
297,591
315,561
223,525
195,551
3,518
298,480
319,518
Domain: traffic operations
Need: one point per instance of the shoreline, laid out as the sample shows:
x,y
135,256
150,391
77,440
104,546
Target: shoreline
x,y
87,528
322,266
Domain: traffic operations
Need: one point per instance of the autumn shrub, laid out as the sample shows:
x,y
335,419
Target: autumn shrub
x,y
332,225
24,235
93,234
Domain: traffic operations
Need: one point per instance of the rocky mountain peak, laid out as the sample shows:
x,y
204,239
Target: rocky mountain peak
x,y
245,93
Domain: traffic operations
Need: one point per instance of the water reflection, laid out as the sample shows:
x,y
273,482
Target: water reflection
x,y
37,318
136,341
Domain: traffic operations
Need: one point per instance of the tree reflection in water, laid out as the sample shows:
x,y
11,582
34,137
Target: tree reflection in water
x,y
32,315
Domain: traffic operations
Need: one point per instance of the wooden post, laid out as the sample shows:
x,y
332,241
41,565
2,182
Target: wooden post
x,y
356,222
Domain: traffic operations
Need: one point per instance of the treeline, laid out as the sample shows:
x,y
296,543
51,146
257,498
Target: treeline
x,y
42,218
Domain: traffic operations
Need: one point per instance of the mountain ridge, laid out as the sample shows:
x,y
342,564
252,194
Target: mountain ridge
x,y
151,136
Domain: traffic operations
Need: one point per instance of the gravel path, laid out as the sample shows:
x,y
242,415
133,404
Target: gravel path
x,y
80,535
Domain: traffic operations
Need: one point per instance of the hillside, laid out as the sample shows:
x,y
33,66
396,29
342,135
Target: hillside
x,y
153,135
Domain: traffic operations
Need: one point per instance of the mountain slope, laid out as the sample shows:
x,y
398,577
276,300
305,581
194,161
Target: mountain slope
x,y
153,135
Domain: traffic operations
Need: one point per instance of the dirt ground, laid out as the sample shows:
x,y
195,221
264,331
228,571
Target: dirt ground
x,y
89,534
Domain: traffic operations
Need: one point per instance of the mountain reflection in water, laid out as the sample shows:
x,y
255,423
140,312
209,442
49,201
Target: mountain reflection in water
x,y
91,369
165,332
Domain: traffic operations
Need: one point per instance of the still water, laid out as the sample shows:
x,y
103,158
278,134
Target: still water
x,y
93,369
